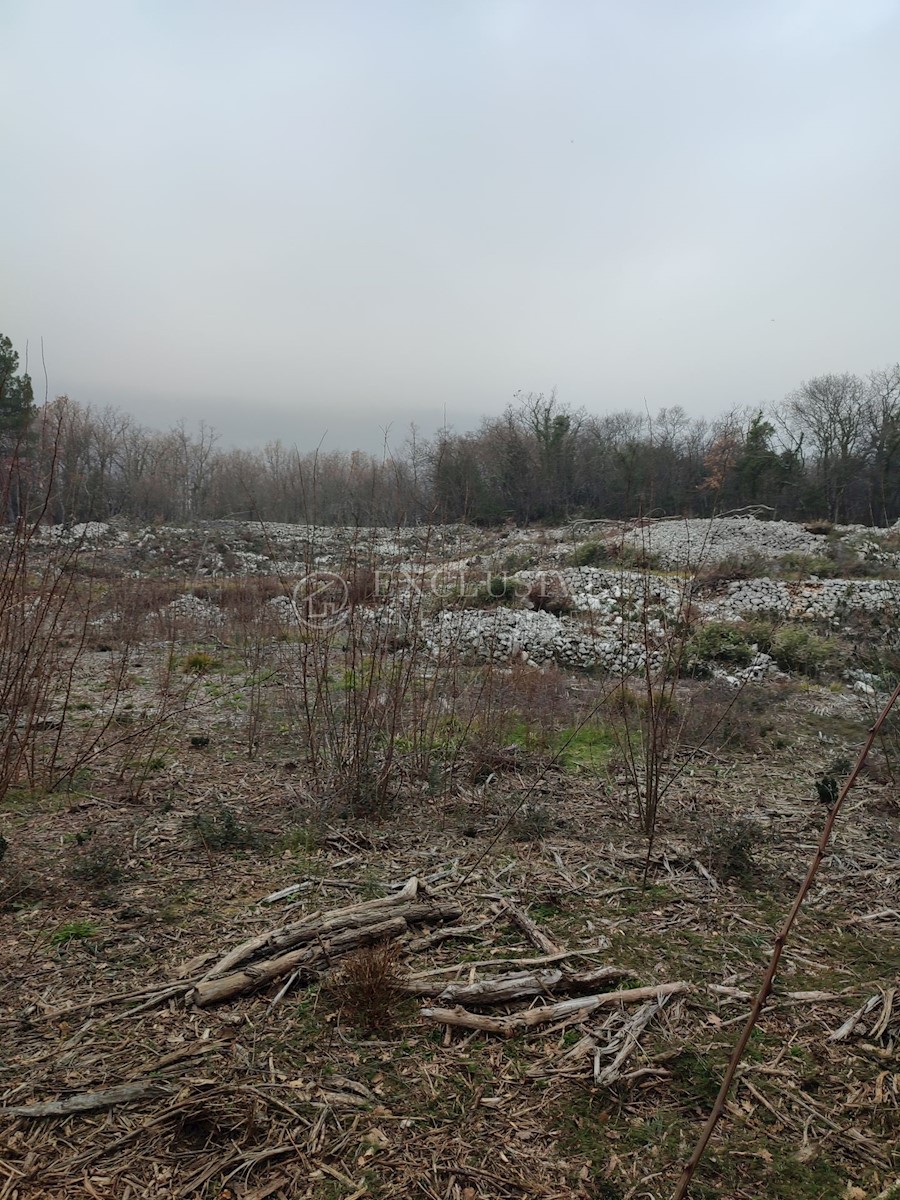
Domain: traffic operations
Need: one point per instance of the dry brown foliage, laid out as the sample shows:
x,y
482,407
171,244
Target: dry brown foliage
x,y
368,987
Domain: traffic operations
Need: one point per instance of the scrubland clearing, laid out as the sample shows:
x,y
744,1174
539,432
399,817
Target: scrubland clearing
x,y
323,850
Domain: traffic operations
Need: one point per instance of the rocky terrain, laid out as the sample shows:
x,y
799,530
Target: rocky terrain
x,y
441,579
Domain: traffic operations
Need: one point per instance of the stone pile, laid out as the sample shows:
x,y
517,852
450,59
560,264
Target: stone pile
x,y
502,635
193,611
813,599
693,544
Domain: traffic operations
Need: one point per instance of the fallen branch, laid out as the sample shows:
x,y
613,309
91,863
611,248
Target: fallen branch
x,y
157,992
625,1041
313,926
428,940
88,1101
256,975
733,993
543,960
192,1050
854,1019
580,1006
516,986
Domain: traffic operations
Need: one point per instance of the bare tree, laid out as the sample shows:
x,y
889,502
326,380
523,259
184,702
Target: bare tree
x,y
829,413
883,418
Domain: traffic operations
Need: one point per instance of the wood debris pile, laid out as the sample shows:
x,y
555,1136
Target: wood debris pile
x,y
234,1075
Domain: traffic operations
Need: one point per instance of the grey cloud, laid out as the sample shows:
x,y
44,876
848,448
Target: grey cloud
x,y
293,216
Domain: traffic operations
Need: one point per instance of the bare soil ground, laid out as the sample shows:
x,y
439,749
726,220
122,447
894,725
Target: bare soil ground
x,y
119,886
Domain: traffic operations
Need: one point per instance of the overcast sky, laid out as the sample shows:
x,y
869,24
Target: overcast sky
x,y
297,219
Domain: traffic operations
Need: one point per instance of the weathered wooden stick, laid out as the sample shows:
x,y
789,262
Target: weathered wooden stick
x,y
88,1101
542,961
852,1021
334,938
733,993
565,1008
574,981
625,1041
461,1018
581,1005
442,935
156,991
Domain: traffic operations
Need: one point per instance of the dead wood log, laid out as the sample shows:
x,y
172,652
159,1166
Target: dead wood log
x,y
852,1021
313,926
577,981
503,989
542,961
579,1005
621,1042
256,975
733,993
442,935
88,1101
625,1042
334,938
515,986
192,1050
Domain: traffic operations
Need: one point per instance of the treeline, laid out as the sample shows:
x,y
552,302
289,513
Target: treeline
x,y
830,449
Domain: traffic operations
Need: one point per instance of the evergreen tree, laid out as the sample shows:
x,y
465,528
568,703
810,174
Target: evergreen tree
x,y
760,469
16,398
17,412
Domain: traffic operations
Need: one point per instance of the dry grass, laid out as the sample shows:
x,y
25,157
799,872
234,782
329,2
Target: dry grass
x,y
367,988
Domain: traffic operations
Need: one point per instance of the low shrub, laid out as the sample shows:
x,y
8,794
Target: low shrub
x,y
759,633
199,663
221,829
499,589
719,642
101,865
531,823
797,649
589,554
718,716
485,757
730,847
72,931
801,566
635,558
713,577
